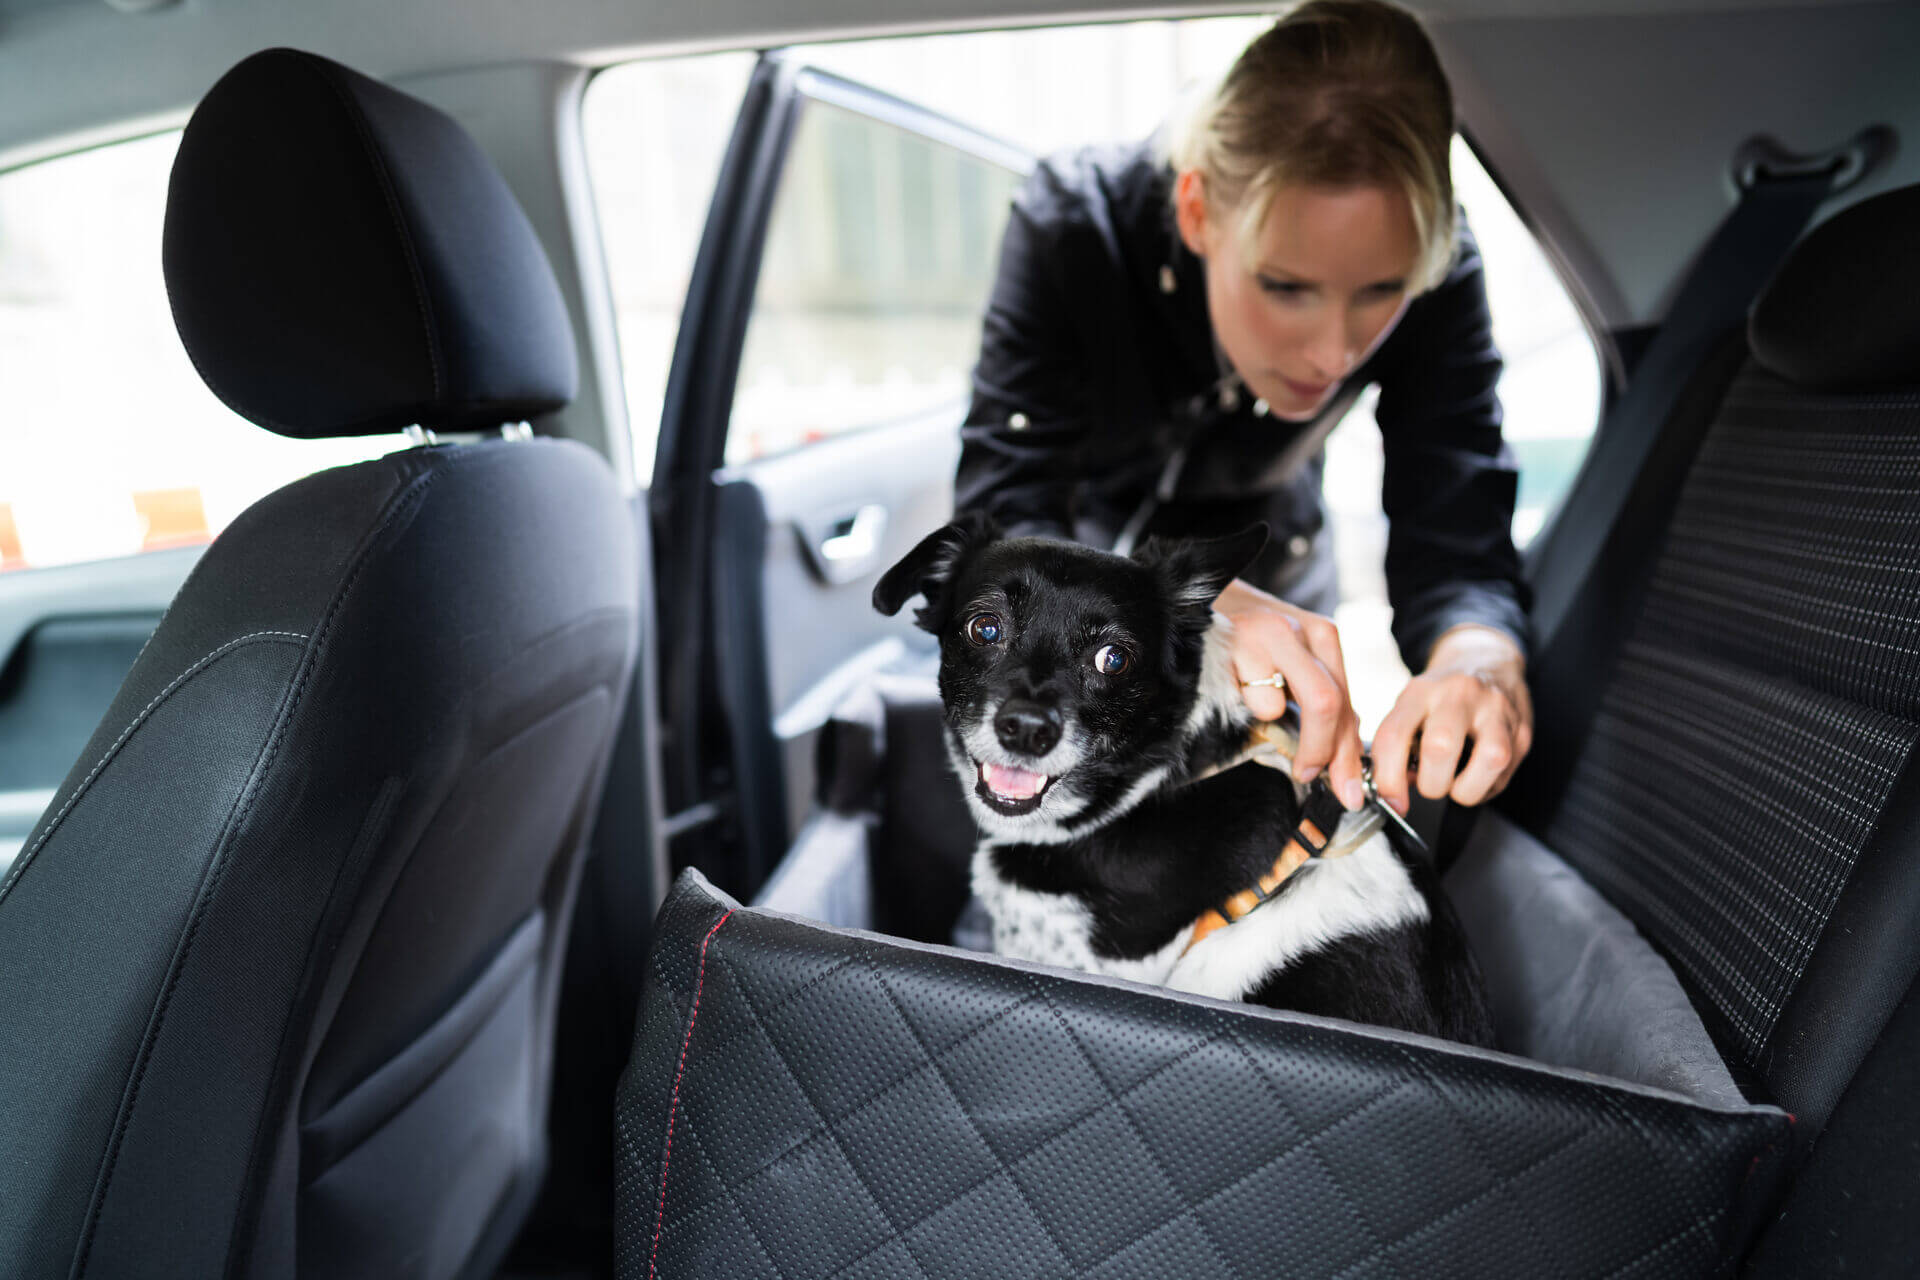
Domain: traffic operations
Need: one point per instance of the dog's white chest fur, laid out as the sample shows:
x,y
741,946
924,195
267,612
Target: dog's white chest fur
x,y
1366,891
1057,928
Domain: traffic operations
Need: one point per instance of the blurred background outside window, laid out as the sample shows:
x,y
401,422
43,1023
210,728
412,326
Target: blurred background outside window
x,y
112,445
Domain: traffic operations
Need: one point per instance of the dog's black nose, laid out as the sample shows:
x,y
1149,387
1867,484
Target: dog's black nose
x,y
1027,727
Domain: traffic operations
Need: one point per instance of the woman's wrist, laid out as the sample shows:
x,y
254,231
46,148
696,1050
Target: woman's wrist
x,y
1478,648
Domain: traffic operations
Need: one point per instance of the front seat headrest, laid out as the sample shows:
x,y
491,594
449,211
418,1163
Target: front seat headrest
x,y
1839,313
343,259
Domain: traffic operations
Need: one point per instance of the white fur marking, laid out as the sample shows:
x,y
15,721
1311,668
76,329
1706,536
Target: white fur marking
x,y
1057,929
1366,891
1218,694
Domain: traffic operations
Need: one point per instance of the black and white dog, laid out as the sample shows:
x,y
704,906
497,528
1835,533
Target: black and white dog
x,y
1087,698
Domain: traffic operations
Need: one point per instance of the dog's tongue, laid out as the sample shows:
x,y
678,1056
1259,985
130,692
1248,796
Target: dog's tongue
x,y
1014,784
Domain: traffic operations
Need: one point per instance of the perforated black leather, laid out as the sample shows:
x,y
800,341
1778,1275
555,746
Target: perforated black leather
x,y
808,1102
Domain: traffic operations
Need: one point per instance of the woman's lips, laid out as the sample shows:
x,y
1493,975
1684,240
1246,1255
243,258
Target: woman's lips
x,y
1305,390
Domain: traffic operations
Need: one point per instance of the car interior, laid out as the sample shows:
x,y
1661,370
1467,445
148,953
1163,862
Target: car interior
x,y
460,814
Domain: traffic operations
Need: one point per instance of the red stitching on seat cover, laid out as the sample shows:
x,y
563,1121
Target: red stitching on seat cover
x,y
673,1106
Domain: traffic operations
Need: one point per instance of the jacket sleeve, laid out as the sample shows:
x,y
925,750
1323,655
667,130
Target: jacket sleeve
x,y
1449,478
1028,420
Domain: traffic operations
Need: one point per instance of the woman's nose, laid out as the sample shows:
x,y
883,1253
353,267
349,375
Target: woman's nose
x,y
1332,348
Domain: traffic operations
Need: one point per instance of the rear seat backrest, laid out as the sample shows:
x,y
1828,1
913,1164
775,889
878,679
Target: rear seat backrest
x,y
1746,789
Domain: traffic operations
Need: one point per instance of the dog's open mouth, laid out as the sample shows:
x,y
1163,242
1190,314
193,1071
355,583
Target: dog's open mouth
x,y
1010,790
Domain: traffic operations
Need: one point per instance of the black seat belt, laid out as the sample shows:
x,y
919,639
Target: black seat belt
x,y
1740,257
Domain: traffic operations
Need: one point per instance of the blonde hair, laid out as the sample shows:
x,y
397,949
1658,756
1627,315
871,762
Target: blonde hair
x,y
1336,93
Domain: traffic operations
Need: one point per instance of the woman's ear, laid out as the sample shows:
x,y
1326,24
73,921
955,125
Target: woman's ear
x,y
1190,209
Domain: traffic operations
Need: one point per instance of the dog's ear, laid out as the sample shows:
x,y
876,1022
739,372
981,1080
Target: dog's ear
x,y
928,568
1196,570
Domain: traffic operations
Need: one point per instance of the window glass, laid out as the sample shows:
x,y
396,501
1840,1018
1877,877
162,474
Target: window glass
x,y
112,444
880,252
656,133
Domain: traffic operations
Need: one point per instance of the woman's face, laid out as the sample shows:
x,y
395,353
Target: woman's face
x,y
1326,282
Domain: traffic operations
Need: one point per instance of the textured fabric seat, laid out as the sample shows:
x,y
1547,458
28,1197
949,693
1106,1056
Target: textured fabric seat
x,y
1740,777
280,961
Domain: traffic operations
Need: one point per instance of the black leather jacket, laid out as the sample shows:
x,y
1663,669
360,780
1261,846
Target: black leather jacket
x,y
1097,366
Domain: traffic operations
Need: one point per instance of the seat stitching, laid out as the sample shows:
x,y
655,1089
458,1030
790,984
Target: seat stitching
x,y
881,1093
784,1001
825,1126
967,1115
406,499
1306,1139
1699,1225
1206,1232
1480,1152
686,1043
20,865
1500,1184
1347,1197
1226,1190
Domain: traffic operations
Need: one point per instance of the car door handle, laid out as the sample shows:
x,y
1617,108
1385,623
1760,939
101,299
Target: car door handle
x,y
851,544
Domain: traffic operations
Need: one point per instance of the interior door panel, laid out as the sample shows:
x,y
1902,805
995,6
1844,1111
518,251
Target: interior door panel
x,y
810,436
811,497
68,636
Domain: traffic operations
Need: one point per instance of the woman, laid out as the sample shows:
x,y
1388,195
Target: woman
x,y
1172,335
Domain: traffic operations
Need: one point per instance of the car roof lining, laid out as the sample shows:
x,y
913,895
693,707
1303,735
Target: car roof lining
x,y
1572,105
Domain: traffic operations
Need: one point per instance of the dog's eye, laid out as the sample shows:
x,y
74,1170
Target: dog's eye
x,y
1111,660
984,628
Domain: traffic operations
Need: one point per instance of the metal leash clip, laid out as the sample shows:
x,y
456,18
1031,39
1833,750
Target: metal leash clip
x,y
1289,721
1373,798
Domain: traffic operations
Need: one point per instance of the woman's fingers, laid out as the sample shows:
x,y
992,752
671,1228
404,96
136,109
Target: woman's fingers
x,y
1255,667
1492,756
1471,738
1304,650
1393,745
1349,764
1443,741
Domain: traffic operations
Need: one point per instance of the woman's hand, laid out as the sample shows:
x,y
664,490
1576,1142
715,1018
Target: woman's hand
x,y
1474,690
1273,637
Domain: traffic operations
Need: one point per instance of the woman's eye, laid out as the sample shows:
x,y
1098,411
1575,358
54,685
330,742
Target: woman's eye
x,y
1111,660
984,628
1283,288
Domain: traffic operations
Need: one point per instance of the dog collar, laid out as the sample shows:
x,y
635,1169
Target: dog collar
x,y
1326,828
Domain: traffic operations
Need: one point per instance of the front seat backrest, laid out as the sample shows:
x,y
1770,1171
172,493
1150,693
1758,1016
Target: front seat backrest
x,y
280,961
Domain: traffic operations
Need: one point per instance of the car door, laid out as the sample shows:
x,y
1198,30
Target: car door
x,y
809,434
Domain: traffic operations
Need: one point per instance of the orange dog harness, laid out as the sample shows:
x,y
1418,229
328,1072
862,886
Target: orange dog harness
x,y
1325,830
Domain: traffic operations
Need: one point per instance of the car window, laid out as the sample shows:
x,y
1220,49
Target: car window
x,y
113,445
879,255
655,134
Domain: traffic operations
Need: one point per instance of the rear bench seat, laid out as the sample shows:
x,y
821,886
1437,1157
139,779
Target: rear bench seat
x,y
1737,772
1724,753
